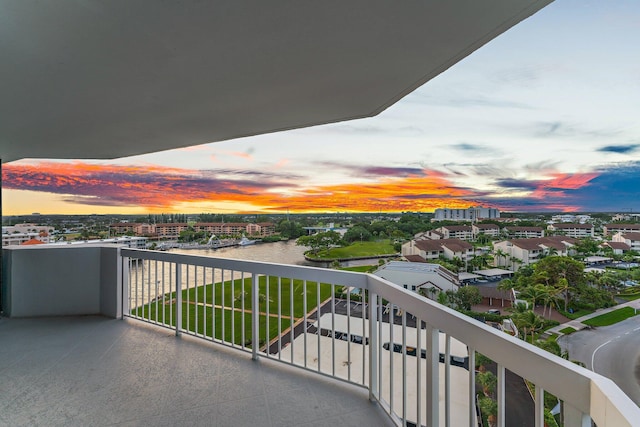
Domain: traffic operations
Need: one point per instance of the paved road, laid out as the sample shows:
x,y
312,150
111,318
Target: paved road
x,y
614,351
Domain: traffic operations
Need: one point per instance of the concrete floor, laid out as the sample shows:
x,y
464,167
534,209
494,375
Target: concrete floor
x,y
80,371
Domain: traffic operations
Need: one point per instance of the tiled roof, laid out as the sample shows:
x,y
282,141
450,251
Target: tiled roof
x,y
617,245
457,227
455,245
514,229
564,225
486,226
623,226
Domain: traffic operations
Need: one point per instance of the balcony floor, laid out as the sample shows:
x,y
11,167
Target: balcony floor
x,y
99,371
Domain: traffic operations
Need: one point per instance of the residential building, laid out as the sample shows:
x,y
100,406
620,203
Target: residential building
x,y
577,231
28,228
630,239
523,232
236,228
21,233
581,219
474,213
613,228
619,248
18,238
434,249
429,235
491,230
515,253
171,230
424,278
163,85
123,228
462,232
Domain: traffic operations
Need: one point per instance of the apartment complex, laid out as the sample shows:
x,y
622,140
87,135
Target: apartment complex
x,y
524,232
173,230
575,230
632,240
22,233
434,249
491,230
615,227
515,253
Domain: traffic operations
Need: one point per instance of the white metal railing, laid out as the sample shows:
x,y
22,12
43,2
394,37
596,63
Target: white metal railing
x,y
412,354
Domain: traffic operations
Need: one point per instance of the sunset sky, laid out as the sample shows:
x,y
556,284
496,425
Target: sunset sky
x,y
545,117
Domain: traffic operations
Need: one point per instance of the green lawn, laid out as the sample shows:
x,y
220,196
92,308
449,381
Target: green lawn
x,y
568,330
359,249
360,268
233,294
612,317
575,314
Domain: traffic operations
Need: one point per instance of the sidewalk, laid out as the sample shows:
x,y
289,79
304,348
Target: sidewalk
x,y
577,323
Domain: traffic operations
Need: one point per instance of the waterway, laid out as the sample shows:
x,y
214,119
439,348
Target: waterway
x,y
279,252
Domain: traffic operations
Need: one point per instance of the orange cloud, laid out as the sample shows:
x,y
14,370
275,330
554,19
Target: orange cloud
x,y
569,181
155,187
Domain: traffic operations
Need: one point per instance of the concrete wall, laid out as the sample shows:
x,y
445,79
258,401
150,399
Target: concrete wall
x,y
61,281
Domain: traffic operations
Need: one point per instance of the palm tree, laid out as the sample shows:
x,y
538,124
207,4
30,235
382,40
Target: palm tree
x,y
563,287
500,254
537,293
514,262
528,322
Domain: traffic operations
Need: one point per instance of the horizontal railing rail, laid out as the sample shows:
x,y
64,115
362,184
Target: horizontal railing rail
x,y
341,324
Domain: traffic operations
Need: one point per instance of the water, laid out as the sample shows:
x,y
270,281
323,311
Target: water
x,y
280,252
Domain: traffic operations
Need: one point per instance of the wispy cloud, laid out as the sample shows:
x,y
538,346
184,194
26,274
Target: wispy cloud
x,y
464,146
621,149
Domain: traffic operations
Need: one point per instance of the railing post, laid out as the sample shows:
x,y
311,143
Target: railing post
x,y
573,417
539,407
500,394
373,345
255,317
178,299
433,376
473,413
126,284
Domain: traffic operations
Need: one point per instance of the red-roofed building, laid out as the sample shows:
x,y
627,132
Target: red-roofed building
x,y
630,239
515,253
578,231
32,242
434,249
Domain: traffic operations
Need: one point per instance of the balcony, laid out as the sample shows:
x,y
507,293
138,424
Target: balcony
x,y
323,347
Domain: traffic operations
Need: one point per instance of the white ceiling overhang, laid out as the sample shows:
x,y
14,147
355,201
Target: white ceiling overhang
x,y
113,78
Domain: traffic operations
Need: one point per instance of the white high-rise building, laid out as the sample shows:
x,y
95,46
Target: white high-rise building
x,y
472,213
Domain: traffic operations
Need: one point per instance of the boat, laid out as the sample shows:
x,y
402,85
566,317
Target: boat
x,y
246,242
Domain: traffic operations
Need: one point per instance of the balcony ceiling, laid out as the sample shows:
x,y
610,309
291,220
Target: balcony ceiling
x,y
108,79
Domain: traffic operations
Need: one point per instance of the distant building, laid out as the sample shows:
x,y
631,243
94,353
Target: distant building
x,y
630,239
581,219
491,230
428,279
577,231
462,232
434,249
524,232
515,253
172,230
618,248
619,228
474,213
21,233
